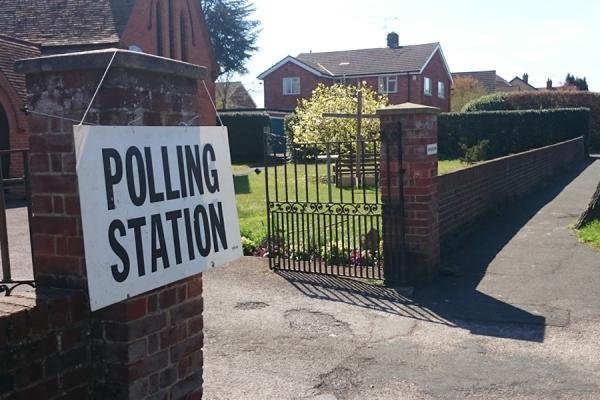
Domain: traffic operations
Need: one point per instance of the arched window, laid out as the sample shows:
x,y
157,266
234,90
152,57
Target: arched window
x,y
183,30
159,29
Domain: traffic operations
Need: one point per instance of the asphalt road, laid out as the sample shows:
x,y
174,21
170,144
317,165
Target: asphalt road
x,y
522,322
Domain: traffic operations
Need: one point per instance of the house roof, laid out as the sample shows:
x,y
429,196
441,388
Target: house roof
x,y
12,50
237,94
491,81
65,22
521,84
377,61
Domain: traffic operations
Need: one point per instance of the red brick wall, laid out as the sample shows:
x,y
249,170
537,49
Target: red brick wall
x,y
44,347
150,345
17,125
437,72
141,31
273,86
467,195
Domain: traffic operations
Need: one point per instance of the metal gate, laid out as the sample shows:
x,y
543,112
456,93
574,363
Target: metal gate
x,y
324,209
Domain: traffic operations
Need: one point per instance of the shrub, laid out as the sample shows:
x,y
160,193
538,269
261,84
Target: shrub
x,y
499,133
475,153
544,100
246,135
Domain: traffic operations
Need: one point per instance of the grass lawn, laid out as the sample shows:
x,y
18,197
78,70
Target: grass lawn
x,y
591,234
251,199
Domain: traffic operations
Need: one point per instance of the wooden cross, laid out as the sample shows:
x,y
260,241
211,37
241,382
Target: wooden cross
x,y
359,116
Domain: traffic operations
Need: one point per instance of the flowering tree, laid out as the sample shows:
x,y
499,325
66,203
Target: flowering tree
x,y
309,125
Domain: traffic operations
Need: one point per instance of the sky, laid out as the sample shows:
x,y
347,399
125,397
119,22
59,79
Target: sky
x,y
546,39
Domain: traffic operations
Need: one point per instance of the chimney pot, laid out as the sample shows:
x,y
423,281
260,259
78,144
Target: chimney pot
x,y
393,40
549,84
526,77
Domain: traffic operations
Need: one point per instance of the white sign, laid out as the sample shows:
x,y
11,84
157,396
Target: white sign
x,y
432,149
157,206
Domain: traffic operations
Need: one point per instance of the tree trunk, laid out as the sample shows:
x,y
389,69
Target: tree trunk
x,y
592,212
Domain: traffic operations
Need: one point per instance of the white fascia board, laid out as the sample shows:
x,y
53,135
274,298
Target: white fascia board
x,y
438,48
295,61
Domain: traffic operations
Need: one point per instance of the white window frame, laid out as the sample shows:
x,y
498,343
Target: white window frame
x,y
388,84
427,89
291,86
441,90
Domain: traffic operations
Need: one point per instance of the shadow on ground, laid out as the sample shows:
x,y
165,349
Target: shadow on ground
x,y
454,301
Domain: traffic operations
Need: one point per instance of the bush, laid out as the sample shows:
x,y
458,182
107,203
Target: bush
x,y
246,135
544,100
499,133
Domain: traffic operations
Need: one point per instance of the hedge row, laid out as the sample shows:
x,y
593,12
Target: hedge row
x,y
544,100
509,132
246,135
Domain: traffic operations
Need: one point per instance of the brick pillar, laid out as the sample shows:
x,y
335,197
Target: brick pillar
x,y
409,193
149,346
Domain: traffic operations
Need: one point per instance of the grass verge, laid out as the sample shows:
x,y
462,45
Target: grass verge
x,y
590,234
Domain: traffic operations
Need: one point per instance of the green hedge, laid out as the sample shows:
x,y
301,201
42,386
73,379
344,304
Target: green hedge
x,y
246,132
544,100
509,132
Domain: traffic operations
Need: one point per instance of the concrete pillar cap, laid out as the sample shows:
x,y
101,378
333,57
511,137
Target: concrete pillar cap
x,y
99,59
408,109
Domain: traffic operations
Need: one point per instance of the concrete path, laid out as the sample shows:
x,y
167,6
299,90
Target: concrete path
x,y
522,322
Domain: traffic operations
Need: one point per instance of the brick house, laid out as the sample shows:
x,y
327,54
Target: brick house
x,y
414,73
174,29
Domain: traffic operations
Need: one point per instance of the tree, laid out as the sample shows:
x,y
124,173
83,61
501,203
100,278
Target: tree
x,y
574,82
592,212
309,125
465,89
233,34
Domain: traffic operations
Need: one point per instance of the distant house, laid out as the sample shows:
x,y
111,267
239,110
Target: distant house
x,y
175,29
412,73
491,82
233,95
522,84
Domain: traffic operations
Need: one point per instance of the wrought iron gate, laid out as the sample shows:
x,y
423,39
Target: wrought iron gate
x,y
324,209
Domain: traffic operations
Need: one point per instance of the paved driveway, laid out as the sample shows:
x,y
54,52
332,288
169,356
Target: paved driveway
x,y
522,322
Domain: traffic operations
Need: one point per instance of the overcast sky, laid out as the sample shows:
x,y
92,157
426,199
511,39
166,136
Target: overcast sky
x,y
545,38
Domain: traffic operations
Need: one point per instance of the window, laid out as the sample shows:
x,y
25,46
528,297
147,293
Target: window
x,y
388,84
427,86
291,86
441,90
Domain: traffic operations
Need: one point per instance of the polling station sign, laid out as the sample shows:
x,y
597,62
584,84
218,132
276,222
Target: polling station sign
x,y
157,206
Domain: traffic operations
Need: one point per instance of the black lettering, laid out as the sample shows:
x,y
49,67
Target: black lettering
x,y
211,185
136,224
119,251
111,177
217,224
173,217
171,194
159,245
181,167
203,248
154,196
194,171
134,153
189,233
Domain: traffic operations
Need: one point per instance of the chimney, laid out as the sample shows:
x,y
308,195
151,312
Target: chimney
x,y
526,77
393,40
549,84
